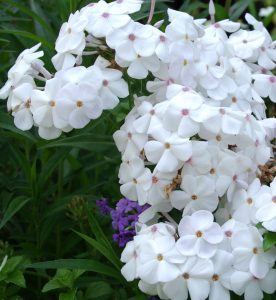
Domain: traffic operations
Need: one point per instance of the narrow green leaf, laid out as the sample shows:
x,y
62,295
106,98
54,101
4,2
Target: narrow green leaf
x,y
81,264
28,35
99,234
102,249
30,13
15,205
238,9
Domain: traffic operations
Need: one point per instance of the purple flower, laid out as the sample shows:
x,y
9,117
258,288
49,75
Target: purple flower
x,y
124,218
103,206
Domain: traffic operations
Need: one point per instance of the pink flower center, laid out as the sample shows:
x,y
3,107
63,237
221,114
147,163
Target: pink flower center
x,y
131,37
162,38
120,1
228,233
222,111
154,179
272,79
129,135
216,25
105,15
105,82
184,112
274,199
153,228
264,71
235,177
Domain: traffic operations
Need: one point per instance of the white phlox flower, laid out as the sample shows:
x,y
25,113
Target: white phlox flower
x,y
266,208
199,235
249,254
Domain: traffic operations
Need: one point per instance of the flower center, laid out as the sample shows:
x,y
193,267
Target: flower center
x,y
105,15
52,103
255,250
249,201
167,146
79,103
217,25
215,277
160,257
199,234
131,37
212,171
234,99
153,229
184,112
152,112
154,179
264,71
235,177
185,62
218,138
186,276
272,79
69,30
28,103
222,111
129,135
274,199
134,180
162,38
105,82
194,197
228,233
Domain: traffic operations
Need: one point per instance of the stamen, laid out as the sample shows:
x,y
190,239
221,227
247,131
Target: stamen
x,y
79,103
215,277
186,276
160,257
199,234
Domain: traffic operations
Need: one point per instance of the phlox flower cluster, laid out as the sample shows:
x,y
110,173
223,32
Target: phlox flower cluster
x,y
193,149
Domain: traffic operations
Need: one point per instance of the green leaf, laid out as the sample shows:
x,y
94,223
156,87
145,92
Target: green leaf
x,y
100,235
6,122
15,205
51,165
98,289
68,296
91,142
30,13
80,264
63,279
16,278
28,35
102,249
269,240
238,9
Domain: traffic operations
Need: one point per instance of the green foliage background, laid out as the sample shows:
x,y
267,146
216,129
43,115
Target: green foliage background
x,y
59,247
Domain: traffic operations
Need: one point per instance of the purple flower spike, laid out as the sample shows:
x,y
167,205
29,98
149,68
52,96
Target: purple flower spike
x,y
124,218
